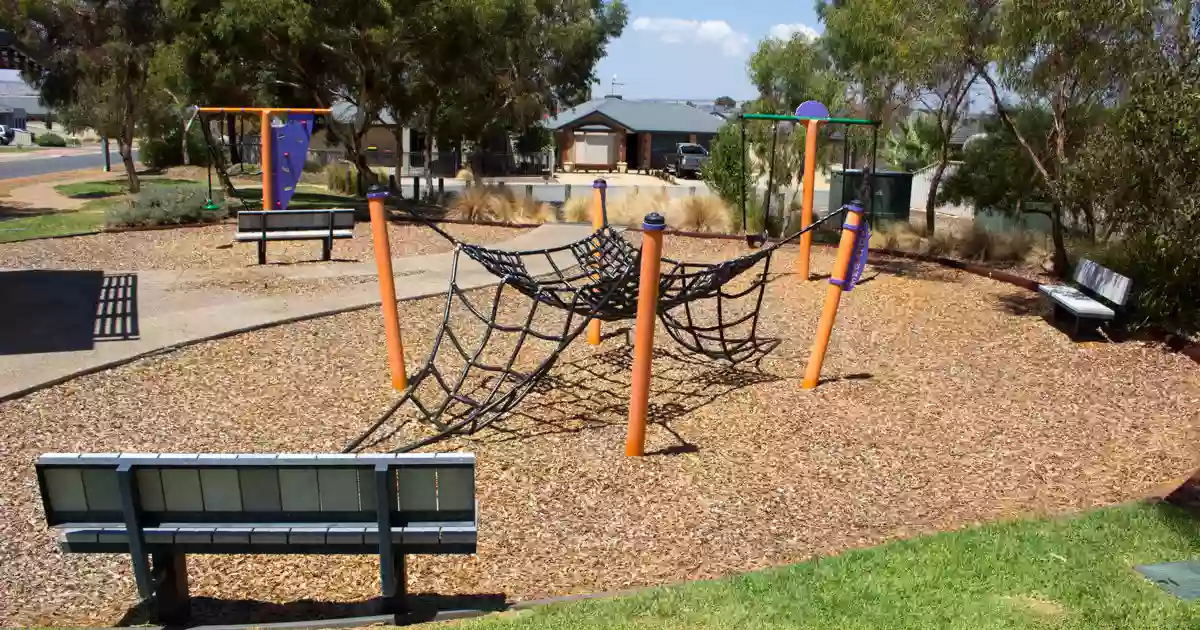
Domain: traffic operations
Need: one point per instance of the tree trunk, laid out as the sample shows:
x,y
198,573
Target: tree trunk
x,y
934,183
183,145
125,139
1061,266
430,116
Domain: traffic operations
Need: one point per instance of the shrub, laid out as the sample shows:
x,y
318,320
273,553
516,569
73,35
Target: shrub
x,y
166,205
723,172
703,213
313,166
343,177
50,140
480,203
166,151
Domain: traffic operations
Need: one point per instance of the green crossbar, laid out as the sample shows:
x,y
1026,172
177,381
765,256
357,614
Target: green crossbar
x,y
844,121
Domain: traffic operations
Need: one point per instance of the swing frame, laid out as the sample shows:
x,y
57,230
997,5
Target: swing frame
x,y
264,114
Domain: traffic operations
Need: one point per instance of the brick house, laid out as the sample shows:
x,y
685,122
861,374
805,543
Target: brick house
x,y
614,134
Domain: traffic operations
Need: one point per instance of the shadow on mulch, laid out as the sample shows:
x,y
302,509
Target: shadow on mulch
x,y
593,393
421,608
1022,304
66,310
861,376
1187,496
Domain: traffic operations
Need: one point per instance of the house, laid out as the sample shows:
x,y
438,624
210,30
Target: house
x,y
614,134
19,102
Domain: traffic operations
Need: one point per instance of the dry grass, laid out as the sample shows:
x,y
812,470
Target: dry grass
x,y
578,209
949,401
967,242
498,203
704,213
465,174
213,248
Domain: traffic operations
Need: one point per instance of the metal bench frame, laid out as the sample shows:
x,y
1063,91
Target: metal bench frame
x,y
176,504
1092,283
264,233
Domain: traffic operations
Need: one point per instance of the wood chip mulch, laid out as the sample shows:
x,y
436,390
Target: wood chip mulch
x,y
949,400
213,247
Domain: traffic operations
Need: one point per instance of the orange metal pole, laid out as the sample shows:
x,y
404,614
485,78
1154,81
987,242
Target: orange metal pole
x,y
806,212
264,118
599,188
643,342
833,295
387,286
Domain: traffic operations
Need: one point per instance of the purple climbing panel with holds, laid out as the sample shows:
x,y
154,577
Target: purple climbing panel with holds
x,y
289,149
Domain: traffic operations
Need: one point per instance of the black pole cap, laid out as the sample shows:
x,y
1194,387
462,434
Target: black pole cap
x,y
653,221
377,192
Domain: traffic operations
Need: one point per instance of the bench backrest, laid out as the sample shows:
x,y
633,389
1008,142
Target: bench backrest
x,y
236,489
278,220
1103,281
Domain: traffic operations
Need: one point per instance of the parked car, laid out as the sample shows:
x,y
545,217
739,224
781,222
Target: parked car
x,y
687,160
6,135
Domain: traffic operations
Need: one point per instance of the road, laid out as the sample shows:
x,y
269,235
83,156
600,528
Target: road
x,y
13,168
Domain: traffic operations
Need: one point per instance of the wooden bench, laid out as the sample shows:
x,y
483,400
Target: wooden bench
x,y
1098,295
160,507
295,225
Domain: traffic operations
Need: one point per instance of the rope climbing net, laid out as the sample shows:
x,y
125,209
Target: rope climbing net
x,y
492,347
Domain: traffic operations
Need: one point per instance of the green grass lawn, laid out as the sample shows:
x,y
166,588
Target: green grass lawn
x,y
306,198
55,224
111,187
8,148
1070,573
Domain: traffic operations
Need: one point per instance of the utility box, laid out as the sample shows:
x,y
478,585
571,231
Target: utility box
x,y
892,192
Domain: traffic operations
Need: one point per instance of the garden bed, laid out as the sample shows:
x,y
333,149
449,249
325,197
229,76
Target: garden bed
x,y
948,401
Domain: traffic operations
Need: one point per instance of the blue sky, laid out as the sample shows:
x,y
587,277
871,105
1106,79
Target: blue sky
x,y
696,49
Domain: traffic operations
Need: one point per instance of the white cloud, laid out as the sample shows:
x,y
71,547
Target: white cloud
x,y
786,31
706,32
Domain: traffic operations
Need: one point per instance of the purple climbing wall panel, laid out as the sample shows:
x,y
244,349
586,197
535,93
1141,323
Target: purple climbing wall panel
x,y
289,149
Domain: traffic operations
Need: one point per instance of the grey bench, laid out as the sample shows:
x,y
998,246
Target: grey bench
x,y
295,225
1098,294
160,507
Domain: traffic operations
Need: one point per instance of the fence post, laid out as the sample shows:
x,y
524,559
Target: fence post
x,y
566,192
416,188
392,187
691,191
441,186
529,190
643,330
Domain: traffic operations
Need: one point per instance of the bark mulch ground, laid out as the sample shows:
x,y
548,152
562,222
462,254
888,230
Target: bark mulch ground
x,y
213,247
948,401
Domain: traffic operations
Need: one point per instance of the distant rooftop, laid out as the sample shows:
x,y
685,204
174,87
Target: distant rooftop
x,y
647,116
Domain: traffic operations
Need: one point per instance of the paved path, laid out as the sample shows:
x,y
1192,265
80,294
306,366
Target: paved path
x,y
68,323
25,164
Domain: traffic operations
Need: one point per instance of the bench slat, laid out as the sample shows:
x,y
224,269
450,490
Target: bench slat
x,y
150,490
260,489
65,486
1107,283
293,235
222,492
298,489
417,489
181,490
338,489
456,488
101,488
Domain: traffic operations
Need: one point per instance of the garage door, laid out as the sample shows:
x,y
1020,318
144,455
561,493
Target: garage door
x,y
594,148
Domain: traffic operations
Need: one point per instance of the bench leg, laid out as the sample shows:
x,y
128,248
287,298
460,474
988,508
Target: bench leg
x,y
326,249
393,603
172,605
262,252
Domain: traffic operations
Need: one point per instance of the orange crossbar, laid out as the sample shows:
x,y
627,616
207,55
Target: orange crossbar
x,y
259,110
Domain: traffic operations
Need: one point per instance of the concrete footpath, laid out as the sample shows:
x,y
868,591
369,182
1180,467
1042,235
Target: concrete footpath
x,y
62,323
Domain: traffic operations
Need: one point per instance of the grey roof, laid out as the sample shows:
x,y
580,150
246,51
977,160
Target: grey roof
x,y
28,103
642,116
969,127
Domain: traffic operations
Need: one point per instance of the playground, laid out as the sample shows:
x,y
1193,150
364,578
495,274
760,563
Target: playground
x,y
948,402
609,456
